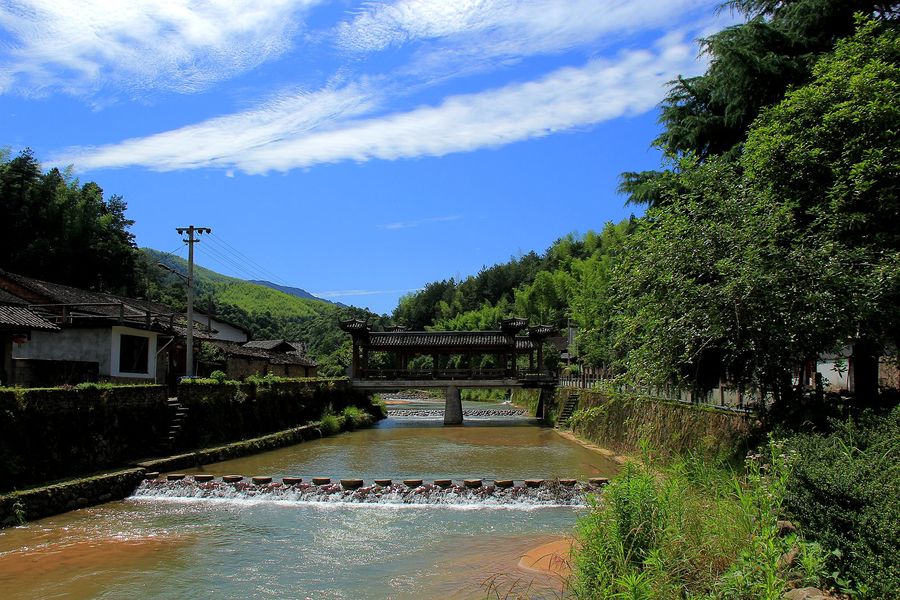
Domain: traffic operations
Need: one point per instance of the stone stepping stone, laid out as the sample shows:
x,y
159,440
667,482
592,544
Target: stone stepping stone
x,y
534,483
568,482
383,482
443,483
351,484
472,483
175,476
598,481
503,483
201,478
151,475
412,483
321,480
261,480
291,480
232,478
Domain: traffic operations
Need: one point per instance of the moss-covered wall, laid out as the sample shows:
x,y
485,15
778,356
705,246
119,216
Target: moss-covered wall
x,y
620,422
47,434
227,411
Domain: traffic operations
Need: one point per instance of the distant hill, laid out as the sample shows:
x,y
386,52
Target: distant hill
x,y
269,311
293,291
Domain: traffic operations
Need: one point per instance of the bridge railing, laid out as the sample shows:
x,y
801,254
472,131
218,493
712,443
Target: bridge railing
x,y
450,374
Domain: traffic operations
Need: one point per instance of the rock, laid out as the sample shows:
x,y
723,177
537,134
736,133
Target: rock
x,y
785,528
786,560
598,481
291,480
104,497
351,484
807,593
321,480
261,480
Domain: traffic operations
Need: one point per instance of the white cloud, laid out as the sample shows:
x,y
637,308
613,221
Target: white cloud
x,y
418,222
326,126
348,293
507,27
82,46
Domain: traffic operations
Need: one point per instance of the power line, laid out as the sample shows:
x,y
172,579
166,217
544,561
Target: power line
x,y
227,262
246,259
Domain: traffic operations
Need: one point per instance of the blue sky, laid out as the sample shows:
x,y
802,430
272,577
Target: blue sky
x,y
356,149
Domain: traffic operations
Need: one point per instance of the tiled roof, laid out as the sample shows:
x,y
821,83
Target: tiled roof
x,y
20,317
272,356
273,344
7,298
438,339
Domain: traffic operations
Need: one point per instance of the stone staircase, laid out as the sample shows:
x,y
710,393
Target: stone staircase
x,y
179,414
567,410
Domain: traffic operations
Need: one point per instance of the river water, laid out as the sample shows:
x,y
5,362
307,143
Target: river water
x,y
163,544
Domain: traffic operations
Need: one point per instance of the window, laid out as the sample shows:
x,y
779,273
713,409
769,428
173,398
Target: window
x,y
133,354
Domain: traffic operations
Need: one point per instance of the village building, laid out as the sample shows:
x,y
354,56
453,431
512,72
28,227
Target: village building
x,y
266,357
55,334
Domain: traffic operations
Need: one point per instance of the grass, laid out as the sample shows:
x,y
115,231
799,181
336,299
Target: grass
x,y
692,529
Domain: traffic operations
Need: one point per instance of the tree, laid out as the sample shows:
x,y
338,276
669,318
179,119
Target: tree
x,y
752,65
57,229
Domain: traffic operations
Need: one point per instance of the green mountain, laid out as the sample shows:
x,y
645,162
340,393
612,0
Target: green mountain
x,y
267,312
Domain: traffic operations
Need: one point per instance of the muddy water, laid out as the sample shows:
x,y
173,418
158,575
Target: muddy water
x,y
242,547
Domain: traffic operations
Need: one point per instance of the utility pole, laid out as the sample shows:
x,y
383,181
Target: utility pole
x,y
189,350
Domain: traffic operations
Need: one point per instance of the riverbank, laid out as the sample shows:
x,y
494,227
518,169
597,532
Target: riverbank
x,y
20,506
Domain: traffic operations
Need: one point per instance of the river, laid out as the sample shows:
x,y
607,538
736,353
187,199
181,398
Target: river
x,y
161,544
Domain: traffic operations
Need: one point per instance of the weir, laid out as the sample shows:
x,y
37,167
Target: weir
x,y
471,493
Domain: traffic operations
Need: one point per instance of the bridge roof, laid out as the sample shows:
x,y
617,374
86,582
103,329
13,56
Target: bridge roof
x,y
390,340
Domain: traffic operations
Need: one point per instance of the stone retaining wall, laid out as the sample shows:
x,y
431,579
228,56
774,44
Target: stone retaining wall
x,y
620,423
231,410
48,434
36,503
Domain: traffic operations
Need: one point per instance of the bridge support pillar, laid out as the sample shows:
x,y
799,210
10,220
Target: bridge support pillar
x,y
453,407
544,401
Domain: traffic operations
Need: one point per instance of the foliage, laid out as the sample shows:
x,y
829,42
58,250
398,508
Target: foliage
x,y
218,376
331,424
56,228
843,493
743,268
354,417
752,65
694,530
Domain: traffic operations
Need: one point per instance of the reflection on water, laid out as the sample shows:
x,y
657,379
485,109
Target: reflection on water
x,y
231,549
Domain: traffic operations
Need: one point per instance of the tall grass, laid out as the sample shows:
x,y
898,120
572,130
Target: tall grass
x,y
693,529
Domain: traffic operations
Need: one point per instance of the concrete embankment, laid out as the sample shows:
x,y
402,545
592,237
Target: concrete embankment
x,y
35,503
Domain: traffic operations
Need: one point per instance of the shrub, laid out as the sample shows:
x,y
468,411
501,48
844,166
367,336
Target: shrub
x,y
354,417
693,529
218,376
843,493
331,424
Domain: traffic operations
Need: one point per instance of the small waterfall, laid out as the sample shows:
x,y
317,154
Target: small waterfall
x,y
550,494
485,412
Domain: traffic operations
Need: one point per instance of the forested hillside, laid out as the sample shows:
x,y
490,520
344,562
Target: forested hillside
x,y
267,312
771,236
